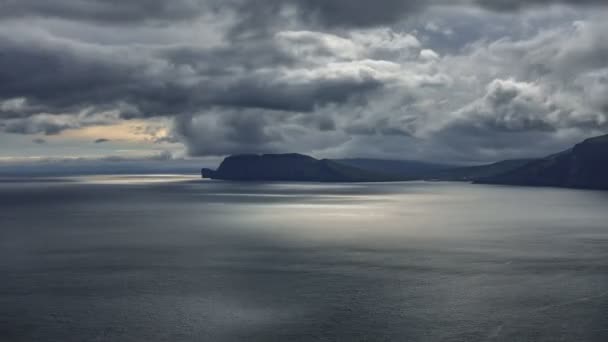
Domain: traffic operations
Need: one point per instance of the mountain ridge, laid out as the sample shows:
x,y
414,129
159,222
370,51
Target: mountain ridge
x,y
289,167
299,167
583,166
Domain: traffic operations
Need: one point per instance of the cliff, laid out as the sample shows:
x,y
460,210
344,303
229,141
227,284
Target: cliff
x,y
583,166
289,167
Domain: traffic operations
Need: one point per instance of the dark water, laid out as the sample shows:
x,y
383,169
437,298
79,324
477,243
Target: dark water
x,y
118,259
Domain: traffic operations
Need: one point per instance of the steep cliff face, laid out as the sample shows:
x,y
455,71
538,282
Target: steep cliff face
x,y
268,167
583,166
287,167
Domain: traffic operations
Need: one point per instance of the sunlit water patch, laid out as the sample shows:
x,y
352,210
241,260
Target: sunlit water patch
x,y
175,258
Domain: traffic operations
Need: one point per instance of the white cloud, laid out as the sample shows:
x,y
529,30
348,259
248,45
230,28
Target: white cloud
x,y
429,55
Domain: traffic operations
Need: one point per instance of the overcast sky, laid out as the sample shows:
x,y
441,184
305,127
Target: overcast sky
x,y
443,80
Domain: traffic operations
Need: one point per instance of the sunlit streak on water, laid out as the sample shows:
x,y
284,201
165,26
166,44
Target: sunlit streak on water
x,y
133,179
175,258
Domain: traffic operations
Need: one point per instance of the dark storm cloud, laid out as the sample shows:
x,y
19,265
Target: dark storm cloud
x,y
224,133
254,13
281,75
303,97
345,13
221,132
364,13
509,5
261,16
108,11
56,76
37,124
369,13
60,76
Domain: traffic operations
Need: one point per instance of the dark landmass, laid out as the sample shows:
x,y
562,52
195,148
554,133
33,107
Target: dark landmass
x,y
302,168
291,167
584,166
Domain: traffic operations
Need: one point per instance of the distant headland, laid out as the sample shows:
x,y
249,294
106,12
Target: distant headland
x,y
583,166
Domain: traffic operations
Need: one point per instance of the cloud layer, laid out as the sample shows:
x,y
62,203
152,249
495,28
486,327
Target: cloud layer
x,y
399,79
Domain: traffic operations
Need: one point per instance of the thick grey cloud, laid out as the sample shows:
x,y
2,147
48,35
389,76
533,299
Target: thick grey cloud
x,y
518,106
57,76
510,5
331,77
223,132
361,13
43,123
109,11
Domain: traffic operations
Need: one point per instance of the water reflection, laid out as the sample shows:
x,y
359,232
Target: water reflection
x,y
134,179
161,258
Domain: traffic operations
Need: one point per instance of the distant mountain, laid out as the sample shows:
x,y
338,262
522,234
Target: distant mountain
x,y
583,166
290,167
298,167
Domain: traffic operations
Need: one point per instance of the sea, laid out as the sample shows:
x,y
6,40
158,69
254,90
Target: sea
x,y
177,258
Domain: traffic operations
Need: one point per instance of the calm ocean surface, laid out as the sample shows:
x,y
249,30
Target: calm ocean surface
x,y
179,259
